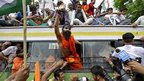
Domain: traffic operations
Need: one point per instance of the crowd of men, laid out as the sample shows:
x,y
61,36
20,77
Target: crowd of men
x,y
76,14
125,60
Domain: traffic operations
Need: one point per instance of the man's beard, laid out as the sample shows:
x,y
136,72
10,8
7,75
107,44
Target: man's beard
x,y
67,34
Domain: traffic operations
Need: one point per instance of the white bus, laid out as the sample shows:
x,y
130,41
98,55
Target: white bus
x,y
97,42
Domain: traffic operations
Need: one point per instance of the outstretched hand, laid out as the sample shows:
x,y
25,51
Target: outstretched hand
x,y
22,74
59,63
136,67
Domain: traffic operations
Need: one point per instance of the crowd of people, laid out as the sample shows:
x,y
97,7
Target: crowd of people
x,y
12,53
76,14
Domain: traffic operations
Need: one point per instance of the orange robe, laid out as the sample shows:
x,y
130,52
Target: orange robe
x,y
74,59
17,63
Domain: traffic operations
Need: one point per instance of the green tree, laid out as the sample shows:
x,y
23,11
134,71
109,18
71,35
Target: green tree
x,y
120,3
135,9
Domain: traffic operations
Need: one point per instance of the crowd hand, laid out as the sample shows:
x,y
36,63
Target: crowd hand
x,y
115,75
64,64
134,25
136,67
59,63
108,59
22,74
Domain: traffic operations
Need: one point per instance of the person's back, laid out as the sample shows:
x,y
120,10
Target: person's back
x,y
140,20
132,50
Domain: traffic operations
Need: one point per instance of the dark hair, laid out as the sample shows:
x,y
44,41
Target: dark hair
x,y
33,8
109,9
66,24
128,37
98,70
57,73
59,3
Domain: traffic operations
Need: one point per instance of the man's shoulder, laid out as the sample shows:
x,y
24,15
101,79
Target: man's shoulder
x,y
8,48
142,16
121,47
138,47
13,47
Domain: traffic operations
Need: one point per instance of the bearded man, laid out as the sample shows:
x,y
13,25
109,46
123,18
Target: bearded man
x,y
66,44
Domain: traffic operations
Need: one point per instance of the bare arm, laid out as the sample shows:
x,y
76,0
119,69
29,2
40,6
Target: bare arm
x,y
57,32
2,56
11,77
136,67
22,74
77,42
50,70
100,6
50,16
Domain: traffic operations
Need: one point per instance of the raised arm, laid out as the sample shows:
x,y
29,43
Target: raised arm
x,y
100,6
50,70
56,25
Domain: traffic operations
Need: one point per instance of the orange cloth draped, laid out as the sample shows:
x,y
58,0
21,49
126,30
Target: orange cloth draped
x,y
37,71
85,7
74,59
17,62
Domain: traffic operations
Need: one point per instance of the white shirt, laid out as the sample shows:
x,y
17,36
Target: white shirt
x,y
46,4
140,20
121,17
113,18
133,51
10,50
71,14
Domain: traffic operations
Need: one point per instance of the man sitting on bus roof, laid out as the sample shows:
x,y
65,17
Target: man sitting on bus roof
x,y
67,45
9,53
139,21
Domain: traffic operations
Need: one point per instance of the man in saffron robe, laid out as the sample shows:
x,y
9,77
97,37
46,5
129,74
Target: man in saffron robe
x,y
66,44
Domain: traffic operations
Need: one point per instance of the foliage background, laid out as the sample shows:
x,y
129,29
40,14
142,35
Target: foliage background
x,y
135,7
